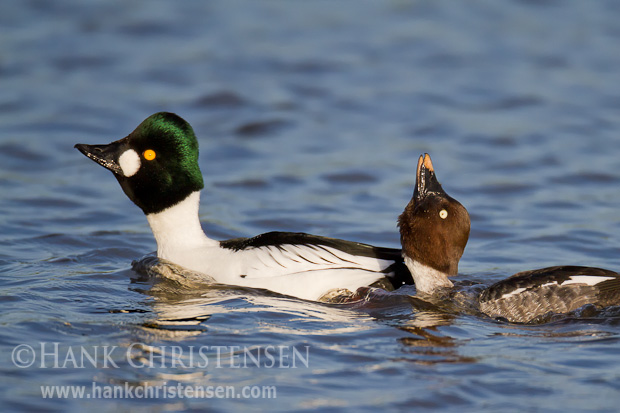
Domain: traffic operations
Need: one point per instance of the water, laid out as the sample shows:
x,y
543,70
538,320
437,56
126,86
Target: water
x,y
310,117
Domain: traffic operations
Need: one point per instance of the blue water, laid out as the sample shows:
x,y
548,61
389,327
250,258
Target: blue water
x,y
310,117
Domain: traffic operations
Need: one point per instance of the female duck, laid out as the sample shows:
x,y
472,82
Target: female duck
x,y
434,256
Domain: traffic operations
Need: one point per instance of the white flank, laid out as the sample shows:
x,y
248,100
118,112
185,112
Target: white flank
x,y
304,271
313,284
129,162
425,278
586,279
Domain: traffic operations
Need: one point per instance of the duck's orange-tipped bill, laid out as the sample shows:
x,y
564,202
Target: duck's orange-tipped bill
x,y
426,180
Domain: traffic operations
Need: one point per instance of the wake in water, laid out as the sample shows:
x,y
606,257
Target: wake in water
x,y
187,298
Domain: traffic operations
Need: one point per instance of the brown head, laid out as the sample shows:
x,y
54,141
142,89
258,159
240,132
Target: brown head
x,y
434,227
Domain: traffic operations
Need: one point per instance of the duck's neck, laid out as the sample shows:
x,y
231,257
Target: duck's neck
x,y
178,228
427,280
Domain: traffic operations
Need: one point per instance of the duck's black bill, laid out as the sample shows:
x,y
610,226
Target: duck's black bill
x,y
105,155
426,180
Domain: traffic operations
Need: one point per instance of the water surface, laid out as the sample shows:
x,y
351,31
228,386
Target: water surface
x,y
310,117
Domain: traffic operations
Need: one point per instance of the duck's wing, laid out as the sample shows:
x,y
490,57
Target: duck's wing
x,y
529,294
278,253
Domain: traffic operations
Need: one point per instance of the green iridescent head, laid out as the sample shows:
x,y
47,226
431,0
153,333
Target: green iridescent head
x,y
156,164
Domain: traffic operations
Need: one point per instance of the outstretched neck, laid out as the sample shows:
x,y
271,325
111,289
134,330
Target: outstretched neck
x,y
178,229
427,280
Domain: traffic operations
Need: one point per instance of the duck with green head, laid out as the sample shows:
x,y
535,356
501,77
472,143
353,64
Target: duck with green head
x,y
157,167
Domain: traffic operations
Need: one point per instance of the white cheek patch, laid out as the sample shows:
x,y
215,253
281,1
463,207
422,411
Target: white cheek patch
x,y
129,162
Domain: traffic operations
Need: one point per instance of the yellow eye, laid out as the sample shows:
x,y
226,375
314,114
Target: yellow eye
x,y
443,214
149,154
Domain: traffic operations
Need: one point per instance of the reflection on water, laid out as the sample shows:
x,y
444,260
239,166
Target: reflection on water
x,y
185,298
311,117
428,346
184,304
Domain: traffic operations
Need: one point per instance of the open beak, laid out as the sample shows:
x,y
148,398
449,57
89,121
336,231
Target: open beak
x,y
426,180
105,155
